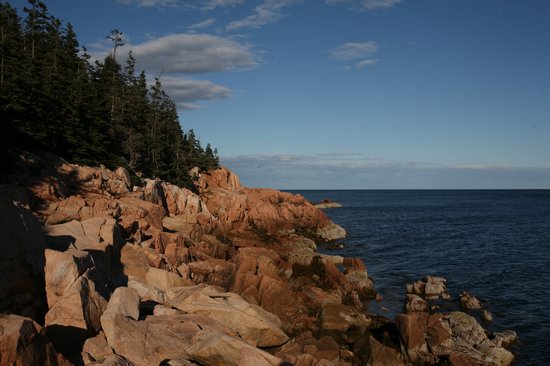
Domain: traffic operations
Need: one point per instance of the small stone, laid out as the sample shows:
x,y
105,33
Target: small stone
x,y
415,303
506,338
487,316
469,301
435,287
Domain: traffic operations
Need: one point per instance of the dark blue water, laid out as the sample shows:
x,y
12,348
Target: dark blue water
x,y
492,243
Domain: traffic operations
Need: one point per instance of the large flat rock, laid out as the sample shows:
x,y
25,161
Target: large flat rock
x,y
251,322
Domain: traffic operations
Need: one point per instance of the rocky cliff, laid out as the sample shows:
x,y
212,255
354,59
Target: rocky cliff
x,y
99,272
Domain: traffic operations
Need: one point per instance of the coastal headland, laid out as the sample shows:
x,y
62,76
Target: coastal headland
x,y
98,271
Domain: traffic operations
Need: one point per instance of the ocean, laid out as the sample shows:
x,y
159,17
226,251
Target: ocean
x,y
494,244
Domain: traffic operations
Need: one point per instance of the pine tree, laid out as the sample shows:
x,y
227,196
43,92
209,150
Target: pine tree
x,y
35,47
78,102
12,88
135,109
52,98
35,27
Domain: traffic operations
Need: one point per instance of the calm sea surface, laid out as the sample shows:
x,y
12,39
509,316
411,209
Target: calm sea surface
x,y
492,243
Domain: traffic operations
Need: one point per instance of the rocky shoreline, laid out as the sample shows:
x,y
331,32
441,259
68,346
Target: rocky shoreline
x,y
96,271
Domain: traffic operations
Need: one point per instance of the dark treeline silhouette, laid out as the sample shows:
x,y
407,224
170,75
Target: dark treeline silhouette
x,y
53,98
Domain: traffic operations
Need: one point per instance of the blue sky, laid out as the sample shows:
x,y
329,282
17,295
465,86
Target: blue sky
x,y
348,93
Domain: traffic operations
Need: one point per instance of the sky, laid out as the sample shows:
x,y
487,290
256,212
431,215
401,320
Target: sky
x,y
347,94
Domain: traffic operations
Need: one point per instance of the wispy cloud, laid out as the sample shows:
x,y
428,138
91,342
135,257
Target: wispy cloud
x,y
204,24
337,2
213,4
186,92
368,62
378,4
359,171
326,160
353,51
148,3
342,155
365,5
267,12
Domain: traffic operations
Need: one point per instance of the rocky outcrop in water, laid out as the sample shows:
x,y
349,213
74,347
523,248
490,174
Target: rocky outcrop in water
x,y
326,203
452,337
227,275
430,288
456,337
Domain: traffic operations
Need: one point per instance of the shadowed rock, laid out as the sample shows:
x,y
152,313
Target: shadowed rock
x,y
22,257
22,343
96,349
75,316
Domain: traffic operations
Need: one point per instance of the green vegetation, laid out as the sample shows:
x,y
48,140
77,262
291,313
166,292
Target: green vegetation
x,y
53,98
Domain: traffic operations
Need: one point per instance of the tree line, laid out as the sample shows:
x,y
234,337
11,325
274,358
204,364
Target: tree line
x,y
54,98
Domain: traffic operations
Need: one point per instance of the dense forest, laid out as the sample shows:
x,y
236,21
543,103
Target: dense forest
x,y
54,98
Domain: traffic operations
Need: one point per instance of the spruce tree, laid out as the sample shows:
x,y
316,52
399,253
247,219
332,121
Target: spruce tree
x,y
53,98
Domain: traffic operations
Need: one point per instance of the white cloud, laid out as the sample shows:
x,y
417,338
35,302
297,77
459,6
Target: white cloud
x,y
193,53
204,24
148,3
267,12
173,55
367,62
185,92
365,5
378,4
338,2
353,50
213,4
187,53
184,4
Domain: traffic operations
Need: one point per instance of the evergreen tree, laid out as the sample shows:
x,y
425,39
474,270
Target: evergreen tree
x,y
12,89
11,71
35,48
52,98
135,109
